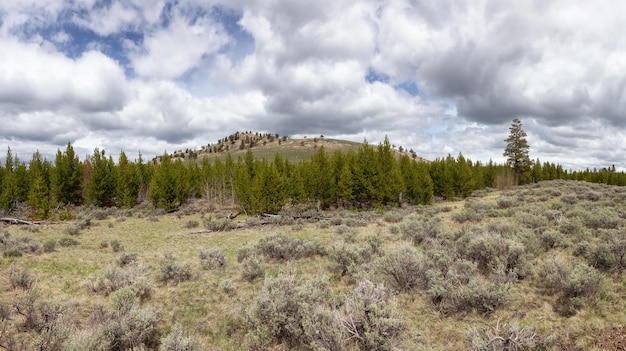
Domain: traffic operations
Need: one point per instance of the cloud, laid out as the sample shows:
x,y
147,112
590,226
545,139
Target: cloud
x,y
33,78
170,52
436,76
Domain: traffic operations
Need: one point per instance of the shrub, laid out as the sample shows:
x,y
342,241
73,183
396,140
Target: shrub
x,y
467,216
252,268
280,247
127,325
493,253
104,244
505,202
116,246
355,222
12,253
126,258
609,254
503,338
417,230
244,252
551,238
402,268
20,278
393,217
49,245
68,241
569,199
227,286
178,340
288,312
192,224
479,295
211,259
219,225
531,221
170,271
349,257
371,318
571,280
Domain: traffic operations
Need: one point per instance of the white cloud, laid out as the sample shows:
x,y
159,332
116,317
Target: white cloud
x,y
170,52
33,78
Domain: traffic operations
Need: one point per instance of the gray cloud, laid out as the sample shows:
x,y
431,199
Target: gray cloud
x,y
558,65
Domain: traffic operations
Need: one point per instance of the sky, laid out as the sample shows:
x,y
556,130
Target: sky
x,y
436,76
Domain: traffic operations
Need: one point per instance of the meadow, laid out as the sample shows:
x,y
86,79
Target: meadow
x,y
534,267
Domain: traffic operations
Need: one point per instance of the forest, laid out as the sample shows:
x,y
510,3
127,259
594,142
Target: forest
x,y
372,177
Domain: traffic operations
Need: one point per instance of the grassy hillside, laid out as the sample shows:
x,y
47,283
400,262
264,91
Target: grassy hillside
x,y
540,265
266,146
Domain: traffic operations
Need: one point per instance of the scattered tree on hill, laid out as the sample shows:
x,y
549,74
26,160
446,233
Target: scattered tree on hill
x,y
516,152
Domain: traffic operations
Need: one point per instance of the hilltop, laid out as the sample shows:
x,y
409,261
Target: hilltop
x,y
267,145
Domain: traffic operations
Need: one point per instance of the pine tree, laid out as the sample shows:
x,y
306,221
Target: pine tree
x,y
516,152
169,187
9,189
128,182
67,177
39,192
101,188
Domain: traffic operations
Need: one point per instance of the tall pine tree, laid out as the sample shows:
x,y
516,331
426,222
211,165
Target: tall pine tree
x,y
516,152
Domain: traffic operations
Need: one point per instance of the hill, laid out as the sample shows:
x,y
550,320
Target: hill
x,y
540,267
267,145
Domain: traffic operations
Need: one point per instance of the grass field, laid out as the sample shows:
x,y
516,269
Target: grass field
x,y
541,266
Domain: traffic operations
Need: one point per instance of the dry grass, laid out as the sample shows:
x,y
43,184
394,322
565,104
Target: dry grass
x,y
211,305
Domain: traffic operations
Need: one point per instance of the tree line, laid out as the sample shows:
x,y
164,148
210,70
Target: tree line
x,y
370,177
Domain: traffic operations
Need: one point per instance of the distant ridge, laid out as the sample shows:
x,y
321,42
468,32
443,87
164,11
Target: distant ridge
x,y
267,145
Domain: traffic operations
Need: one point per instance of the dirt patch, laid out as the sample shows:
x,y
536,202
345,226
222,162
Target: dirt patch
x,y
613,338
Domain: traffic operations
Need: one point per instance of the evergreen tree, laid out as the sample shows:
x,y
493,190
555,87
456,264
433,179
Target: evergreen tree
x,y
388,183
463,176
39,199
169,187
102,185
516,152
9,190
128,182
39,191
67,177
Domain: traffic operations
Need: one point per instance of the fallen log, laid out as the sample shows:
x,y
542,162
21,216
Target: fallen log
x,y
16,221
